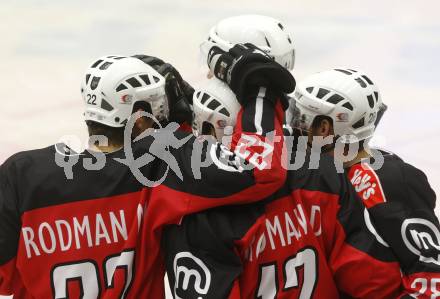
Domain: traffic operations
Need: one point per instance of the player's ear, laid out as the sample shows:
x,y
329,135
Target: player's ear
x,y
325,127
139,120
142,123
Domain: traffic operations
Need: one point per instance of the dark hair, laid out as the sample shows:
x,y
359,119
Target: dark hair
x,y
207,128
114,135
318,120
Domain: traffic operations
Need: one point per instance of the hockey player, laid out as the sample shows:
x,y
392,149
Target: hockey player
x,y
83,225
304,241
344,106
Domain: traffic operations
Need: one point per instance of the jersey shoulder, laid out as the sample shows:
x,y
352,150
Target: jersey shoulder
x,y
367,184
394,181
320,175
407,182
27,159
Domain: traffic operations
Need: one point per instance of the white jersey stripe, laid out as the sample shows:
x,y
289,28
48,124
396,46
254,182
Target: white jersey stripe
x,y
259,111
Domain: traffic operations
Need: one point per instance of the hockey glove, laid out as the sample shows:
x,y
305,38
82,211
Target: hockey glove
x,y
245,68
178,91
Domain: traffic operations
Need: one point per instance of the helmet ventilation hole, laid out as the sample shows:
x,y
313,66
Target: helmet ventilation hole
x,y
348,106
94,83
121,87
106,105
376,96
361,82
205,97
96,63
322,92
224,111
214,104
134,82
344,71
370,101
367,79
334,99
146,79
359,123
105,65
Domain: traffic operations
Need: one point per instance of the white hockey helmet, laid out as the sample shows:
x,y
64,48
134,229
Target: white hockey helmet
x,y
267,33
347,96
113,84
216,105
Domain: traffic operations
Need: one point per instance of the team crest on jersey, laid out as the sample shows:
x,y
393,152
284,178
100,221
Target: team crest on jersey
x,y
422,238
367,185
193,278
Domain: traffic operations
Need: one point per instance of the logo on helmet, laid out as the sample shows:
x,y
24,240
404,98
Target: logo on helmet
x,y
221,123
342,117
126,99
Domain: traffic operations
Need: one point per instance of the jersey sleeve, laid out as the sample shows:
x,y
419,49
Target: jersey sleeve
x,y
250,171
361,261
9,229
403,214
414,236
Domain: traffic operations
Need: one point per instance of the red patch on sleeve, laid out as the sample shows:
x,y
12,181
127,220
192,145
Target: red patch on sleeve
x,y
367,184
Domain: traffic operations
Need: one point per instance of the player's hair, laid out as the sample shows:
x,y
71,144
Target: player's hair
x,y
207,128
114,135
318,120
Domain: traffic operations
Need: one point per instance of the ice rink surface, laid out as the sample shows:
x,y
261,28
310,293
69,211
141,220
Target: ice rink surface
x,y
46,46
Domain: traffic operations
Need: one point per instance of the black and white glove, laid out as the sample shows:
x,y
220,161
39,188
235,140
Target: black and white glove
x,y
178,91
245,68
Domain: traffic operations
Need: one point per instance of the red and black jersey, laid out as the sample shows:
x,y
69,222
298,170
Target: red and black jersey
x,y
310,239
401,204
71,232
